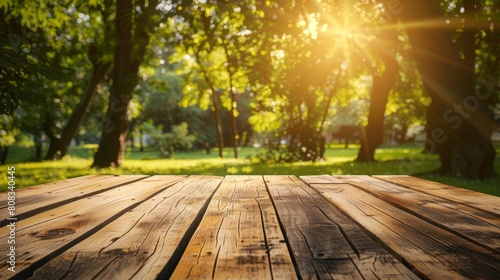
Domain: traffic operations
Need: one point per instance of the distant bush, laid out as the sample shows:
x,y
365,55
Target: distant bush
x,y
271,156
178,138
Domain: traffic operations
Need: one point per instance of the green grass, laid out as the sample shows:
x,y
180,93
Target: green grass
x,y
391,160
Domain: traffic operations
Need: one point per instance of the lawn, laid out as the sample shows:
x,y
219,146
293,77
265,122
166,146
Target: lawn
x,y
391,160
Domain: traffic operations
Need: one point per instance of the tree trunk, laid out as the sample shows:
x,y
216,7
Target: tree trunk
x,y
234,125
59,145
429,147
3,155
347,136
218,127
322,147
330,92
141,141
249,138
373,134
309,137
38,145
129,54
459,118
234,104
131,138
215,106
309,140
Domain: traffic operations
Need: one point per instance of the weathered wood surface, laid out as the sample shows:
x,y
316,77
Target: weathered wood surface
x,y
51,232
46,196
432,250
477,200
140,242
237,236
325,243
252,227
475,225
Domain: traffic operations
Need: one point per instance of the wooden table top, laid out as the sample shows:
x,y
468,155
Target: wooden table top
x,y
251,227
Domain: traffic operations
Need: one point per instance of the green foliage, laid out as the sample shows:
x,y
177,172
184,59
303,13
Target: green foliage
x,y
38,14
215,48
47,57
167,143
304,68
160,96
273,155
24,140
297,69
8,131
309,66
25,64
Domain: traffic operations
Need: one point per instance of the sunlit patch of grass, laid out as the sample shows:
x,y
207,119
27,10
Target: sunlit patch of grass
x,y
34,173
339,161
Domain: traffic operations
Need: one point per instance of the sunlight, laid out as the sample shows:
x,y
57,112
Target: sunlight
x,y
278,54
311,23
354,36
349,35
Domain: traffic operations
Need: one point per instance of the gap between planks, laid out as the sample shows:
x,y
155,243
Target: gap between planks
x,y
37,199
480,201
480,227
143,243
433,251
54,231
324,242
239,236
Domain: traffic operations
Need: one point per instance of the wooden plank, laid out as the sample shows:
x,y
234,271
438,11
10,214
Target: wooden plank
x,y
324,242
238,237
33,200
321,179
432,251
280,259
45,235
42,188
475,225
481,201
142,243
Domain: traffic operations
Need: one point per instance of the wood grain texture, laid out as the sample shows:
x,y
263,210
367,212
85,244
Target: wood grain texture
x,y
320,179
430,250
253,227
139,244
46,235
33,200
54,186
477,226
480,201
238,237
324,242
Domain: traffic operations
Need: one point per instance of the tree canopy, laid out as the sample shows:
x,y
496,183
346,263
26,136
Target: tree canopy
x,y
288,72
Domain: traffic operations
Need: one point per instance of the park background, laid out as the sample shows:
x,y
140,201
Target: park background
x,y
266,87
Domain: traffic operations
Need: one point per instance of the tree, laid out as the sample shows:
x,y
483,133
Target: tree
x,y
314,50
133,27
373,134
460,118
215,53
30,64
27,57
161,99
8,132
46,63
177,138
101,64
